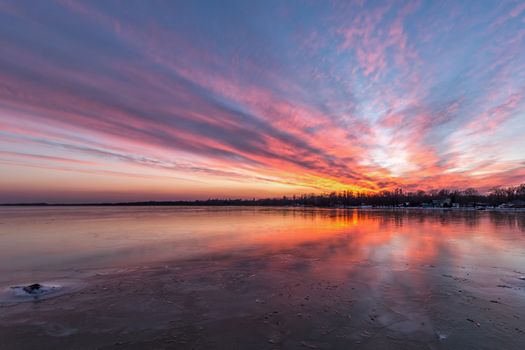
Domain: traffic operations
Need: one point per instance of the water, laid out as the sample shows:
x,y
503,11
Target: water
x,y
257,276
47,242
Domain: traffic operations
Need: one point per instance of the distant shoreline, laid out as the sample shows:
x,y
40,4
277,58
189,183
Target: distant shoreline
x,y
499,198
204,204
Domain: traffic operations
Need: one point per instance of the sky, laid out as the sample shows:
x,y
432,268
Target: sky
x,y
160,100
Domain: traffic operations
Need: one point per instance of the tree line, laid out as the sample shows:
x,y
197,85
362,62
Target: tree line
x,y
397,197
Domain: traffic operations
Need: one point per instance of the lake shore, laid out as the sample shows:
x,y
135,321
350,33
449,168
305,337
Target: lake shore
x,y
174,205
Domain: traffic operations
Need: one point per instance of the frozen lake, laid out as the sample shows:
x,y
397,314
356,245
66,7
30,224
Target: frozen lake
x,y
252,277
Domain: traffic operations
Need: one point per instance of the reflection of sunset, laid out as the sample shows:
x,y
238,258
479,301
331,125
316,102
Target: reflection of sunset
x,y
389,271
398,237
335,237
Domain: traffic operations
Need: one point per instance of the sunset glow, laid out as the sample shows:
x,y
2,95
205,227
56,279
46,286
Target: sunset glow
x,y
153,100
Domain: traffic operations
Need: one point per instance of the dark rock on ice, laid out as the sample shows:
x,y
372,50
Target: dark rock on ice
x,y
33,288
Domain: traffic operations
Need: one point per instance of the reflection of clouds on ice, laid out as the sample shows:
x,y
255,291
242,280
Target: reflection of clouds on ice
x,y
369,279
